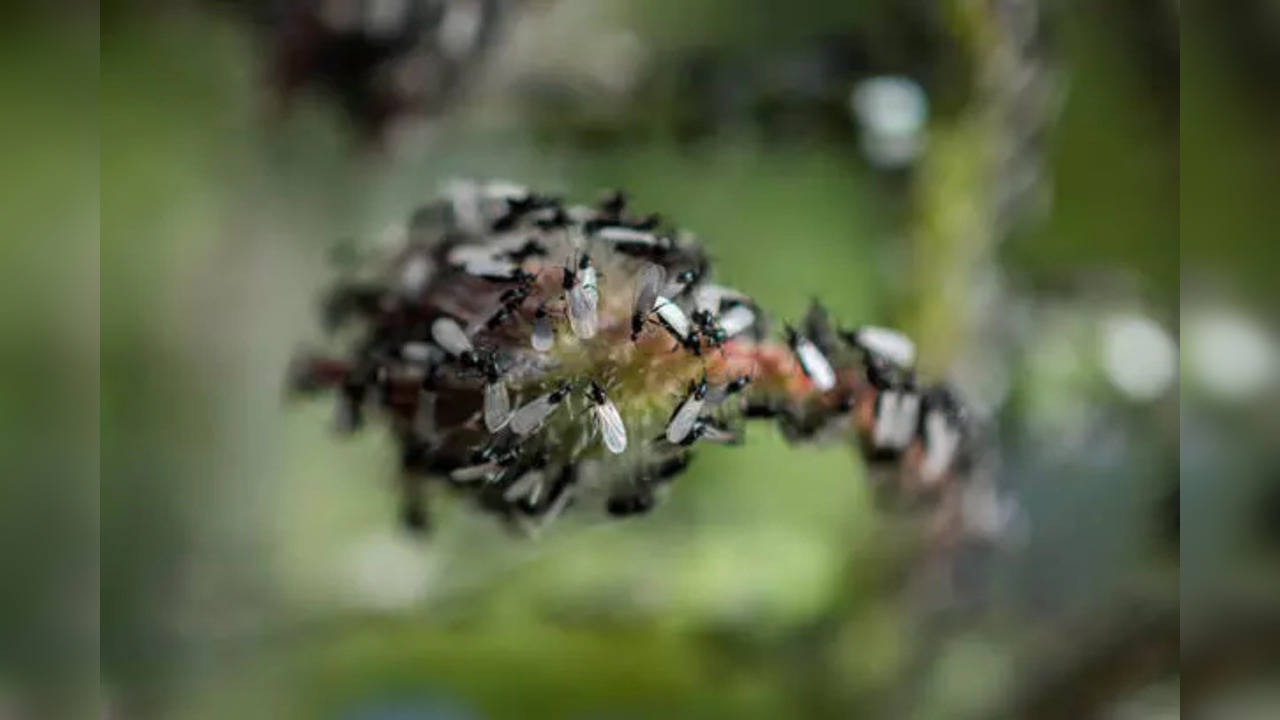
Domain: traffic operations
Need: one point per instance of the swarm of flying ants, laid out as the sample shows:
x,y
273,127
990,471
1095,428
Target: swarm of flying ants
x,y
380,61
533,354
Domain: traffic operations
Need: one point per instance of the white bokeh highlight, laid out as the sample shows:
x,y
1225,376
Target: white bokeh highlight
x,y
1138,356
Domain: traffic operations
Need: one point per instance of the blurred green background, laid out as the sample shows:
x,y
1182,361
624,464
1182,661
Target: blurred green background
x,y
251,564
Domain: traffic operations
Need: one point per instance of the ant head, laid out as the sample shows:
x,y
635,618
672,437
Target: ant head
x,y
909,381
498,318
489,364
541,459
597,393
850,337
615,203
792,336
693,342
508,220
695,433
584,262
559,393
943,399
700,389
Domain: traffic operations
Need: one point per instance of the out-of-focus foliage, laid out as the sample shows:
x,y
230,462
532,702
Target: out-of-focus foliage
x,y
1229,539
48,358
249,566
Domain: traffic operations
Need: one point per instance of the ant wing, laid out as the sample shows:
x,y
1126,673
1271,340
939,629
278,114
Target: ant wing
x,y
612,430
582,312
736,320
652,278
889,344
713,432
472,473
543,336
530,416
449,335
941,445
815,364
682,422
528,485
497,406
